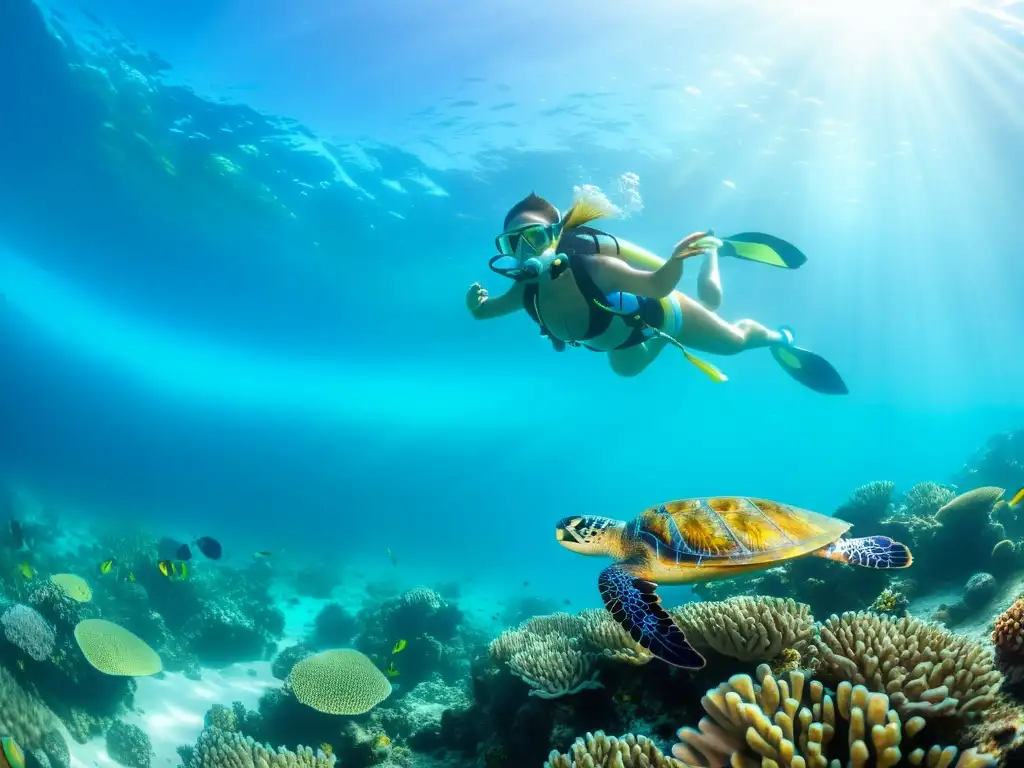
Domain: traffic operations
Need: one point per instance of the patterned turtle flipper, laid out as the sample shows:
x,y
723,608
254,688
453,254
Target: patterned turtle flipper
x,y
869,552
635,605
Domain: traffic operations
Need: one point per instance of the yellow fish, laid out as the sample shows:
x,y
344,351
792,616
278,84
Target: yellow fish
x,y
166,567
131,576
1018,497
106,565
183,570
26,570
326,748
392,670
399,646
21,663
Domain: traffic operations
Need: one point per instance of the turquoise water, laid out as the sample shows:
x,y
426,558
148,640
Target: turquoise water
x,y
234,248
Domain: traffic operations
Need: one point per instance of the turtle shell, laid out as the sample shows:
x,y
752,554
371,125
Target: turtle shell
x,y
733,530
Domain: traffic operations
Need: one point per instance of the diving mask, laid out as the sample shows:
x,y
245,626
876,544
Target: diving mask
x,y
531,246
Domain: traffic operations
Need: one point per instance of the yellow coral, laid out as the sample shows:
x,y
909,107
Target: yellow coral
x,y
793,723
73,586
746,628
339,682
925,669
113,650
596,750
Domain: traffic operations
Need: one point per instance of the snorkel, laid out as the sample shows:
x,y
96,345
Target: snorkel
x,y
543,240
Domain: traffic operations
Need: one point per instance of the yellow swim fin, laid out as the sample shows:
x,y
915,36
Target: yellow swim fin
x,y
763,248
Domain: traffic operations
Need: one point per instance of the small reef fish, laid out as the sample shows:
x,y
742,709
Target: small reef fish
x,y
262,553
131,577
209,547
391,557
106,565
392,670
171,569
172,549
26,570
17,535
399,646
21,664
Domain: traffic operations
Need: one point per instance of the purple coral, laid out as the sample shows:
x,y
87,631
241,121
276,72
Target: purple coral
x,y
25,628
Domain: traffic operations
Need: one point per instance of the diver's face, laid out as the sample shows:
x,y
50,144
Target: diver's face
x,y
585,534
530,246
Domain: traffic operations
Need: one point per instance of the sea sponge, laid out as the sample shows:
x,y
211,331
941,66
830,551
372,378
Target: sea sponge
x,y
339,682
113,650
596,750
771,724
73,586
25,628
1008,639
23,716
746,628
218,749
924,668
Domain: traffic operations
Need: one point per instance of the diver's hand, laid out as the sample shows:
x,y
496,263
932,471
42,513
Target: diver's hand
x,y
476,296
690,246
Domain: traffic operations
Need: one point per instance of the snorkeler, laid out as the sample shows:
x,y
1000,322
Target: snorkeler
x,y
585,287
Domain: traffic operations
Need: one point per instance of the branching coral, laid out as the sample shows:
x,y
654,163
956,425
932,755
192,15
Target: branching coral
x,y
599,751
925,669
25,628
867,504
793,723
746,628
22,715
1008,639
219,749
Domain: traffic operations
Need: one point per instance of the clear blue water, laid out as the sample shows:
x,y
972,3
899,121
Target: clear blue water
x,y
276,348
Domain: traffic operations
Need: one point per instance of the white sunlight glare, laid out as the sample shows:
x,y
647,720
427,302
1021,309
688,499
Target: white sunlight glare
x,y
868,25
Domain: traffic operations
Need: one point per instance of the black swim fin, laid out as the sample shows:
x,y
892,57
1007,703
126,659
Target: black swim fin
x,y
811,370
766,249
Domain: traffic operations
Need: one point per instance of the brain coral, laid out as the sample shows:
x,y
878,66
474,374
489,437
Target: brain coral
x,y
339,682
746,628
74,586
113,650
29,631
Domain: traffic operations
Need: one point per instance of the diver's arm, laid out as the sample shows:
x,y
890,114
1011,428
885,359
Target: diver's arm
x,y
482,307
611,273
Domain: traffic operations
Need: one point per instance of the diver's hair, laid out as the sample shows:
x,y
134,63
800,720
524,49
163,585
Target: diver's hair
x,y
535,205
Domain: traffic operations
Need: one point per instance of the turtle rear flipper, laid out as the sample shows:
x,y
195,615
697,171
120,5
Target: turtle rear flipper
x,y
635,605
869,552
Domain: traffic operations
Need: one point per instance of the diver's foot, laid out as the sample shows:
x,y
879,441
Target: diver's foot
x,y
787,336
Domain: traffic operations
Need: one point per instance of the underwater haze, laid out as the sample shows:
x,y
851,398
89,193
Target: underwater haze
x,y
235,243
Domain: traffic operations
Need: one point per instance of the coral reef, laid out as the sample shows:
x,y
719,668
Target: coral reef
x,y
22,715
129,745
596,750
925,669
333,627
999,463
26,629
339,682
747,628
1008,640
288,658
224,749
793,722
868,505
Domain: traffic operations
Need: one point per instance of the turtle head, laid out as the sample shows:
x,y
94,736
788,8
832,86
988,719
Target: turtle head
x,y
589,534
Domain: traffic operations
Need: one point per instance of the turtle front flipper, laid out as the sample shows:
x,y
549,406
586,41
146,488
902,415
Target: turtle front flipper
x,y
869,552
633,603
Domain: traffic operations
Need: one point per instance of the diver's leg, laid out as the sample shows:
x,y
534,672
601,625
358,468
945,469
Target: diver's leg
x,y
632,361
702,329
709,281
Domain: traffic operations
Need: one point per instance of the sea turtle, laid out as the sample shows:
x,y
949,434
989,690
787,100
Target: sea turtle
x,y
694,540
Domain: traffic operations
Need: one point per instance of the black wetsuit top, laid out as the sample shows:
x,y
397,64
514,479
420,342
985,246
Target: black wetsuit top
x,y
580,246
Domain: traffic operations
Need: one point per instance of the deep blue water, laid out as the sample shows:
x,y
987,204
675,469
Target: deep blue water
x,y
276,347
